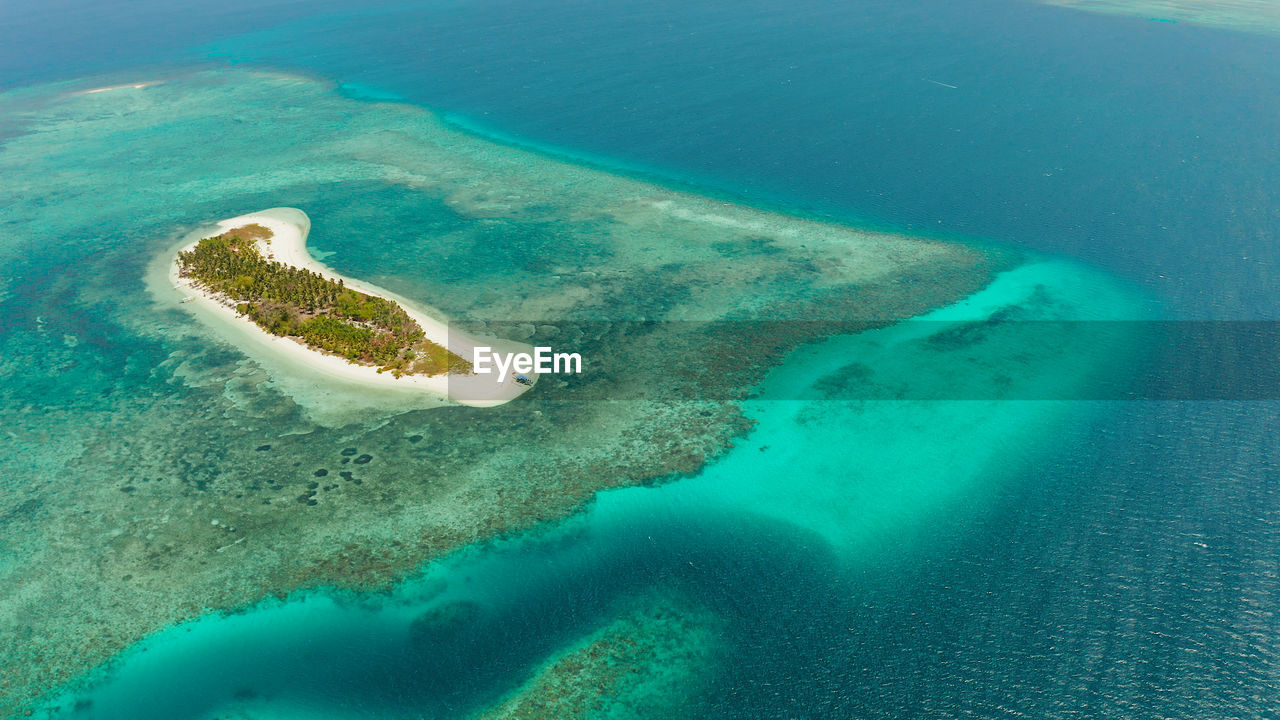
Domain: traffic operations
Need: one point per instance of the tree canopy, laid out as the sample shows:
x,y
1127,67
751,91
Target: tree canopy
x,y
326,315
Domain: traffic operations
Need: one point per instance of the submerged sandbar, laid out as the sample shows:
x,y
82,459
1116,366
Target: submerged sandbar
x,y
1262,16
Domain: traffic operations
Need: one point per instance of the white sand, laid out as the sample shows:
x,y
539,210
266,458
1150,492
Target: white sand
x,y
133,86
287,245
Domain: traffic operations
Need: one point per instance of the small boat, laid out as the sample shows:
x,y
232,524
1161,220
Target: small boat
x,y
524,380
187,299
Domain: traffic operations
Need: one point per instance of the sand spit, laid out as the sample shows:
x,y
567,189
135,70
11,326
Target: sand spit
x,y
287,245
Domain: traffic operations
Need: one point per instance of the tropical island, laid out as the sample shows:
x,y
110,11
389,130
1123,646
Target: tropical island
x,y
257,268
325,314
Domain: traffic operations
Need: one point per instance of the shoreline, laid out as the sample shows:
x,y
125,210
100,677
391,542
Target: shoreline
x,y
289,228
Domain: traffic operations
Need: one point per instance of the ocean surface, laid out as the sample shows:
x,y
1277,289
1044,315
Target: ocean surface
x,y
997,551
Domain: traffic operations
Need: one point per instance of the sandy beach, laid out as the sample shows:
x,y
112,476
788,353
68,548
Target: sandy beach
x,y
289,228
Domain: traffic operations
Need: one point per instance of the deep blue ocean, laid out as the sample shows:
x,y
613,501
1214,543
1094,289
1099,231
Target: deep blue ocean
x,y
1134,573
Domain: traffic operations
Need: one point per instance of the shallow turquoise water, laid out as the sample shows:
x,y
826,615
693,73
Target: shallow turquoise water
x,y
1121,561
823,491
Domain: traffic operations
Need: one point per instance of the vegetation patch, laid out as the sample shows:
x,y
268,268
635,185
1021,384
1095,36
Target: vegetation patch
x,y
325,314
